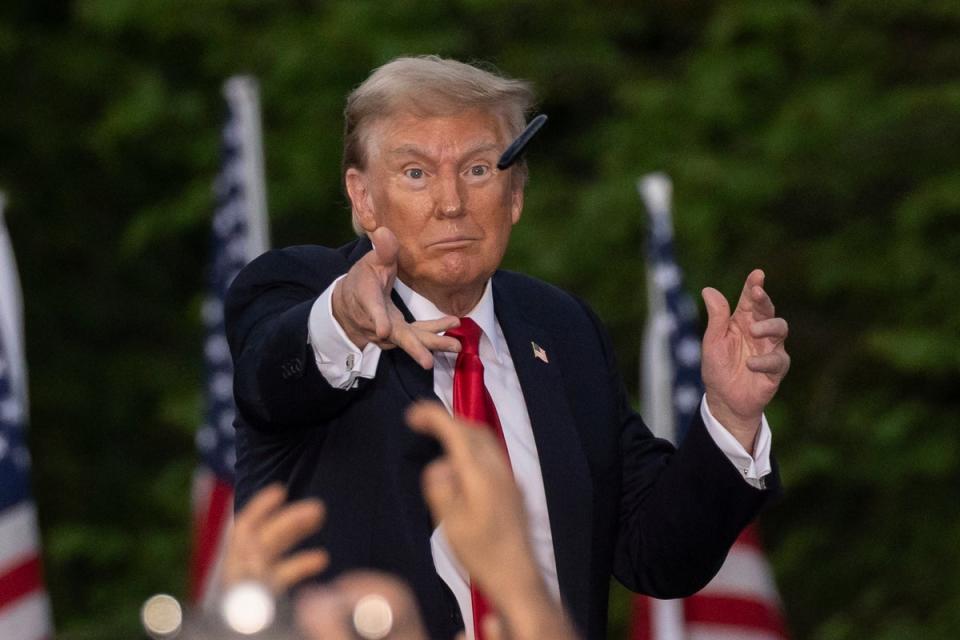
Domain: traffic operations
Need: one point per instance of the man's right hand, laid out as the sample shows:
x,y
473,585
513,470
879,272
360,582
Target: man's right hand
x,y
362,305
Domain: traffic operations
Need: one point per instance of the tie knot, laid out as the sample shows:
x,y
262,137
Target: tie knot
x,y
468,333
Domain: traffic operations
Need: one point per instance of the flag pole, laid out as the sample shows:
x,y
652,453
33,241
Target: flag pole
x,y
240,233
656,379
11,313
243,95
665,617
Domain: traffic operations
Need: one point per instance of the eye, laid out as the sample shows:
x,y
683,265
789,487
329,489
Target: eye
x,y
414,173
479,170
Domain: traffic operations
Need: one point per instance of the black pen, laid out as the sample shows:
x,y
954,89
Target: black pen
x,y
515,150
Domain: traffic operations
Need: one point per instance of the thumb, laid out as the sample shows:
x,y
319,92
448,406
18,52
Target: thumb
x,y
718,314
385,247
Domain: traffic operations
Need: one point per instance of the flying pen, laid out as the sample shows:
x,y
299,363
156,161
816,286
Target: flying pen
x,y
516,148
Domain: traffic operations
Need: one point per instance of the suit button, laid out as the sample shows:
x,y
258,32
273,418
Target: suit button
x,y
292,368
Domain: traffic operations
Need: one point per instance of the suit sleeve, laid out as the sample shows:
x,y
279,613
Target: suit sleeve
x,y
680,509
276,381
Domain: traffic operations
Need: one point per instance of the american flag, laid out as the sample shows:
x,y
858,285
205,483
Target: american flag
x,y
741,602
239,235
24,606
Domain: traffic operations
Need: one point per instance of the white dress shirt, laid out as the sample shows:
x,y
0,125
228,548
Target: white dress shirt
x,y
341,363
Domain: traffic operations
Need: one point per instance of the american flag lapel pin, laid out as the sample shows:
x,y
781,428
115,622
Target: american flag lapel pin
x,y
539,353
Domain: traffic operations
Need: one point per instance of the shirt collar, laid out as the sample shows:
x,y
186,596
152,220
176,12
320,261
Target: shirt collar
x,y
483,313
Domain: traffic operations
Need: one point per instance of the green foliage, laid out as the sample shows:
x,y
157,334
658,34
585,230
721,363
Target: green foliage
x,y
817,140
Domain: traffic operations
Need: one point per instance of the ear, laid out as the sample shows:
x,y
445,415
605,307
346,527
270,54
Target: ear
x,y
361,199
516,204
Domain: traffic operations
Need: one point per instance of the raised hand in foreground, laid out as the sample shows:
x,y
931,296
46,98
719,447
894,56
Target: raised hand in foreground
x,y
472,491
264,531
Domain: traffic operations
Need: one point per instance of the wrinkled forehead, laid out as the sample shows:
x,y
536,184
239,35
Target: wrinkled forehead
x,y
448,132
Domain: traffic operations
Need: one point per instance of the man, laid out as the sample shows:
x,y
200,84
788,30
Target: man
x,y
331,346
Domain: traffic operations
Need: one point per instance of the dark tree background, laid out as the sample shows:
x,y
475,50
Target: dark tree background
x,y
816,139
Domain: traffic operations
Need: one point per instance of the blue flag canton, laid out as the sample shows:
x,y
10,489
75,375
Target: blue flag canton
x,y
684,330
14,456
216,438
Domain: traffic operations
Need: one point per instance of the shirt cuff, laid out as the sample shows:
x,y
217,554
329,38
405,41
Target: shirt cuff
x,y
755,468
340,362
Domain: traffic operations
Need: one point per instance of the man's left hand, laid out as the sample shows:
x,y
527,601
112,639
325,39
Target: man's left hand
x,y
744,359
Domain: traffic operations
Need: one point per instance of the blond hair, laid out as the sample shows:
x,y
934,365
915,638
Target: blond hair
x,y
430,86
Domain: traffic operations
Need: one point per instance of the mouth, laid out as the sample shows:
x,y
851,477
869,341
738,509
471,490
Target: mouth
x,y
454,242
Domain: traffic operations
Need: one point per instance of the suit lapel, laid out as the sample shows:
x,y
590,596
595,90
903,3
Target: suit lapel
x,y
416,381
566,477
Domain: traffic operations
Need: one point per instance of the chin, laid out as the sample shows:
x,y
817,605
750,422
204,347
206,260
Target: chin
x,y
460,274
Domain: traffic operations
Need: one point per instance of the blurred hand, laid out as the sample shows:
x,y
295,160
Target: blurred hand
x,y
471,490
362,305
327,612
744,358
264,531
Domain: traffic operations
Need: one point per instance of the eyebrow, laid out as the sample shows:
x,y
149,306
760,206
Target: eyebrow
x,y
414,150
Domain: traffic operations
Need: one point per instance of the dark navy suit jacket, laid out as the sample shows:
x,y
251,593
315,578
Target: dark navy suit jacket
x,y
621,502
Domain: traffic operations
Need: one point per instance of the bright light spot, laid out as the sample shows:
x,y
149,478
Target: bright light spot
x,y
248,608
161,616
372,617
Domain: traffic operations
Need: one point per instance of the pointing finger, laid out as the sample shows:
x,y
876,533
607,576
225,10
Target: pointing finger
x,y
385,247
369,298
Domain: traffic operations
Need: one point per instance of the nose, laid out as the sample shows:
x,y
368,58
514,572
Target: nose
x,y
447,196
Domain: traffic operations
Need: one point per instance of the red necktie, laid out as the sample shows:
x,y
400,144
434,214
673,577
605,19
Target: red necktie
x,y
472,401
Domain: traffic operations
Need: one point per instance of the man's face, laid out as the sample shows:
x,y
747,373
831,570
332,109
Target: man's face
x,y
434,183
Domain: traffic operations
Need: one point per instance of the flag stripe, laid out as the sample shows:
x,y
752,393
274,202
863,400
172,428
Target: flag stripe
x,y
641,625
730,611
20,580
27,619
17,527
208,535
714,632
214,578
750,537
744,574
